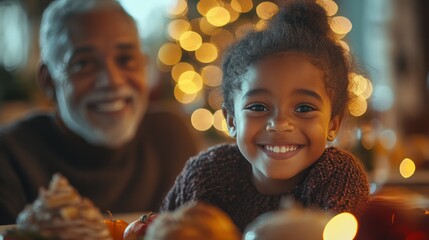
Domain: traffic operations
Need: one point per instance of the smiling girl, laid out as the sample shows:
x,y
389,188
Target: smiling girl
x,y
285,94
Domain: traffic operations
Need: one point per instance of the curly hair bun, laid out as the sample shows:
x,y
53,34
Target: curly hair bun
x,y
303,14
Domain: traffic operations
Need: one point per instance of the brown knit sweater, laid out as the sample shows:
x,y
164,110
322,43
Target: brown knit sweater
x,y
222,176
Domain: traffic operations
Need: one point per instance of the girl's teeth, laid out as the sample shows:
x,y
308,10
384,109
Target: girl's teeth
x,y
281,149
276,149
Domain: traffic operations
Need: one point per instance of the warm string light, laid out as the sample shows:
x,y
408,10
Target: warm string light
x,y
407,168
343,226
198,34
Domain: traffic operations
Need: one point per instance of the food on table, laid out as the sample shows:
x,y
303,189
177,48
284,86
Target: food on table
x,y
193,221
292,222
15,234
61,213
137,229
116,227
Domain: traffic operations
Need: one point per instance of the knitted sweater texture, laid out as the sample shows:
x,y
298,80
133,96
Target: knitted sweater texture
x,y
222,176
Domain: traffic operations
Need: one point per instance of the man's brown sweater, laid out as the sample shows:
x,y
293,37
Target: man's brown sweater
x,y
134,177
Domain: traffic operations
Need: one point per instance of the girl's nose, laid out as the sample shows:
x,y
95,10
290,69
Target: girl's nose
x,y
280,125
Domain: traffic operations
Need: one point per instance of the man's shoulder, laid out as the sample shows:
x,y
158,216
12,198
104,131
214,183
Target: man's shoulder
x,y
164,115
27,124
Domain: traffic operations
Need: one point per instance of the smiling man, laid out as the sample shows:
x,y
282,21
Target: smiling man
x,y
114,148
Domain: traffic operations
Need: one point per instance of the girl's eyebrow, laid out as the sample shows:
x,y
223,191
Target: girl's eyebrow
x,y
253,92
299,91
311,93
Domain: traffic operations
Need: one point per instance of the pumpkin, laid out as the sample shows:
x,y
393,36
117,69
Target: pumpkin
x,y
116,227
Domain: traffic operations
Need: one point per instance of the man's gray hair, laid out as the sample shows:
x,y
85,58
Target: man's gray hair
x,y
53,38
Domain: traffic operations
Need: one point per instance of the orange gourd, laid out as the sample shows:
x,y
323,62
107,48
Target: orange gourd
x,y
116,227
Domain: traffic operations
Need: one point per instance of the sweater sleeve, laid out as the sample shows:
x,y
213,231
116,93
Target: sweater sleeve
x,y
338,183
201,179
188,185
12,196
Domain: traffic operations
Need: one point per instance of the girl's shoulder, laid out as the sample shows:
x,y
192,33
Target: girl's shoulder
x,y
337,161
219,167
220,161
337,157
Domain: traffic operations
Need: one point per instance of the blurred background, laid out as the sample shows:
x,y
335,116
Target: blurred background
x,y
388,126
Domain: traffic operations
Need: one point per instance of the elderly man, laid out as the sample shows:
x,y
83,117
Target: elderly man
x,y
103,136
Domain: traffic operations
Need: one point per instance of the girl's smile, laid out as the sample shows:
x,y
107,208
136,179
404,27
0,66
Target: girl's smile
x,y
280,151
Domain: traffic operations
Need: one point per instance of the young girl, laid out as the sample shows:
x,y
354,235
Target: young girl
x,y
285,92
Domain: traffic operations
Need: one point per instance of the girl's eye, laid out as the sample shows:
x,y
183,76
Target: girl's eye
x,y
305,108
257,107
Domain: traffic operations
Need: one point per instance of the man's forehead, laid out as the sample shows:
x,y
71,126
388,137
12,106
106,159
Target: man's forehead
x,y
115,32
110,23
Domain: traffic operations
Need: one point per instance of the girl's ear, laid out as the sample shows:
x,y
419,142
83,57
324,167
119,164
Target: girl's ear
x,y
334,127
45,81
230,122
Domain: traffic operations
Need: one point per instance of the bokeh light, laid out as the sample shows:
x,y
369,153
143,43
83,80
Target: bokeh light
x,y
265,10
242,6
215,98
218,120
212,75
177,27
207,53
343,226
190,41
178,9
261,25
180,68
233,15
368,90
341,25
218,16
182,97
206,27
330,6
344,45
190,82
388,139
169,54
407,168
202,119
368,140
204,6
357,84
358,106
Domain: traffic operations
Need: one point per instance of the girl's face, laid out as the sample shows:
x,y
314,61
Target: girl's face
x,y
282,117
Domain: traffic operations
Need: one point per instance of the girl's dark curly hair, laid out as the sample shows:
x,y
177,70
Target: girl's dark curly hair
x,y
300,26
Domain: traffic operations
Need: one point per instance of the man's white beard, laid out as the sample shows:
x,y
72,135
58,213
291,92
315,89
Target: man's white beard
x,y
108,135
